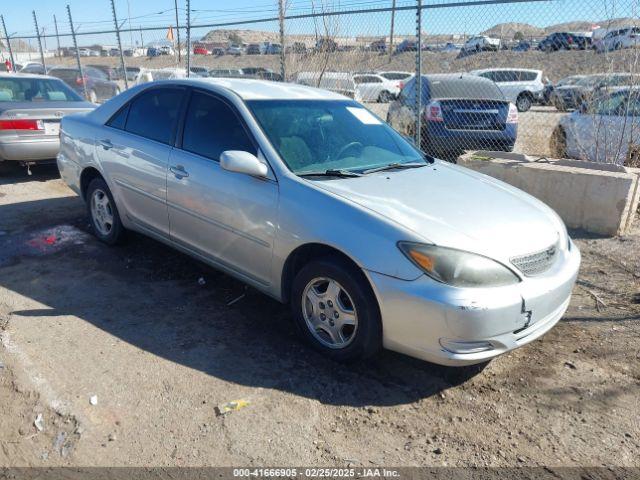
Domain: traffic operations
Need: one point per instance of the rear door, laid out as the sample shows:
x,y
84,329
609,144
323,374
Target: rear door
x,y
134,149
226,217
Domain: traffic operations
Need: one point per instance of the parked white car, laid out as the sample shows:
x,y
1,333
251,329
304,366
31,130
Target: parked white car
x,y
618,39
375,88
396,75
607,131
339,82
520,86
154,74
481,43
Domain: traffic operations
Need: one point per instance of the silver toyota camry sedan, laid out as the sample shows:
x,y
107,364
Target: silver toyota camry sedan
x,y
307,196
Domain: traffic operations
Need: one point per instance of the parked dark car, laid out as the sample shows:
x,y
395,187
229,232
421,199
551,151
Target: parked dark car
x,y
521,47
153,52
459,112
99,87
407,46
588,89
564,41
546,97
199,71
112,74
253,49
326,45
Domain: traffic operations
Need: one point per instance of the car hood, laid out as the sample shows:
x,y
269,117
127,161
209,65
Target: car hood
x,y
455,207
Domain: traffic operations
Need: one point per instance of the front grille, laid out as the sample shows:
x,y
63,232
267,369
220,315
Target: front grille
x,y
534,264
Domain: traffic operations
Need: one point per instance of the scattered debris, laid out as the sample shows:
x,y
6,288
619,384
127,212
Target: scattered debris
x,y
438,451
39,422
112,437
58,443
232,406
93,400
599,301
570,365
201,281
236,300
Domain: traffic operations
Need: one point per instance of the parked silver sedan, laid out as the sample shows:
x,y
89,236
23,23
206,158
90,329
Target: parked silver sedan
x,y
31,107
310,198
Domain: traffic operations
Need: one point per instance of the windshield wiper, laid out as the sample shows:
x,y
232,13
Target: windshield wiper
x,y
395,165
331,173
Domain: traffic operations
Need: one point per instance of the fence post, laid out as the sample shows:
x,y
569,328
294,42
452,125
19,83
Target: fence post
x,y
55,23
282,53
393,19
177,31
115,22
6,36
75,47
35,21
188,39
419,75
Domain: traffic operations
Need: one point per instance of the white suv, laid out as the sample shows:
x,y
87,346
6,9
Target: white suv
x,y
619,39
520,86
481,43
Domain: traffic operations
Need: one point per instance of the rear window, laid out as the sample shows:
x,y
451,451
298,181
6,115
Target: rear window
x,y
464,88
66,74
36,90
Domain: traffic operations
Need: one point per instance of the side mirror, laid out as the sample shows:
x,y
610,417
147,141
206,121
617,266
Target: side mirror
x,y
243,162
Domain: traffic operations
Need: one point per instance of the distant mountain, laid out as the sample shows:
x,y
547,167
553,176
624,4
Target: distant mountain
x,y
508,30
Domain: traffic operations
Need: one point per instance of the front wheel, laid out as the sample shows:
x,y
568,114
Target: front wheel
x,y
103,213
93,96
335,310
384,97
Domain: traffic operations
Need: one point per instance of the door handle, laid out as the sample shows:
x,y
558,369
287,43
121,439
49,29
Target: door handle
x,y
106,144
178,171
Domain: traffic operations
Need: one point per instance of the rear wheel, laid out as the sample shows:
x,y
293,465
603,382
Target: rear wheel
x,y
93,96
384,97
103,213
524,102
335,310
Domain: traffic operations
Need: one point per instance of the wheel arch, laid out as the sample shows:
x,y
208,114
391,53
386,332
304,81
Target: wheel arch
x,y
306,253
88,174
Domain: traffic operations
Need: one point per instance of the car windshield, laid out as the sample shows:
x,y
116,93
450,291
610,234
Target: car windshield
x,y
320,135
35,90
591,81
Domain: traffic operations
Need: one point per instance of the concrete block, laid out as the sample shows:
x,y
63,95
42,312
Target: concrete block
x,y
594,198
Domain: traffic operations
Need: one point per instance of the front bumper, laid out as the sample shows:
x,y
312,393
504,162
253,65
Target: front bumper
x,y
29,149
421,316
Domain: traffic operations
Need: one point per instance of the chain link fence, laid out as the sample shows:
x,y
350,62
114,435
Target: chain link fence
x,y
538,77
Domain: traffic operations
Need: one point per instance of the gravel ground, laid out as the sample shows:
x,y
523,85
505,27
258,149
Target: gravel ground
x,y
134,326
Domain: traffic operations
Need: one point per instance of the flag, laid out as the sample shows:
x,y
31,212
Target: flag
x,y
170,34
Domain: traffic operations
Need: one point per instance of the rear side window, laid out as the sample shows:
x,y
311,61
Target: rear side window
x,y
119,119
154,114
211,127
528,76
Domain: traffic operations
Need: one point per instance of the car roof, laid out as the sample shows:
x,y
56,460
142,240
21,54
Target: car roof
x,y
252,89
25,75
506,69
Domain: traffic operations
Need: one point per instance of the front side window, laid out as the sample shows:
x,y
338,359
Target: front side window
x,y
319,135
212,127
154,114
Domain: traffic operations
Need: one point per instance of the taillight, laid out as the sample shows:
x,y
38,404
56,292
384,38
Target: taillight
x,y
512,116
433,112
400,85
21,125
81,80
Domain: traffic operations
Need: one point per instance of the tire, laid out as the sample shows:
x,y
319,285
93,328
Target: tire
x,y
524,102
558,143
93,96
326,292
384,97
103,213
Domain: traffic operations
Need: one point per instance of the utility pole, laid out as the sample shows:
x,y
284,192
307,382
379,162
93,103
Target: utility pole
x,y
282,52
6,36
419,75
188,39
115,22
141,39
35,21
55,23
177,30
393,18
75,47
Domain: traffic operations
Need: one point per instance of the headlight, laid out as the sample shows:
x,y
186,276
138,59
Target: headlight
x,y
458,268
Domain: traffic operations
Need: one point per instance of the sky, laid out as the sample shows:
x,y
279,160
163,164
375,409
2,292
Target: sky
x,y
92,15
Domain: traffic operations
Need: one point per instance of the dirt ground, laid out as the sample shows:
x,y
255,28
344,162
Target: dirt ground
x,y
160,349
